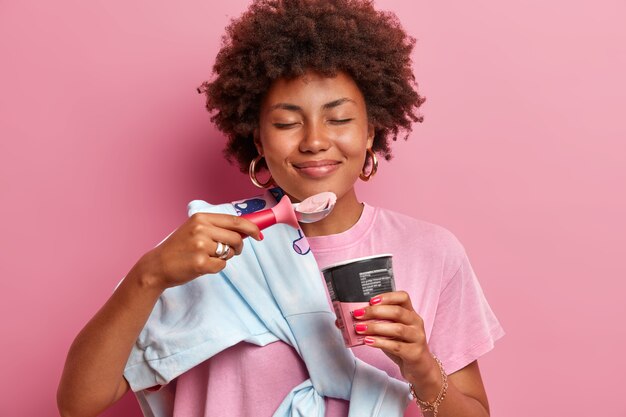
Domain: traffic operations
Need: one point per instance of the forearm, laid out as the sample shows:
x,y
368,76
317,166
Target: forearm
x,y
457,404
461,399
93,375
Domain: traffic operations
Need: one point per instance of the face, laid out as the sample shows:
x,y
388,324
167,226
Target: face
x,y
314,132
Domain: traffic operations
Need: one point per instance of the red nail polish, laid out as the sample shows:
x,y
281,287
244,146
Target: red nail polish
x,y
376,300
368,340
358,312
360,327
261,235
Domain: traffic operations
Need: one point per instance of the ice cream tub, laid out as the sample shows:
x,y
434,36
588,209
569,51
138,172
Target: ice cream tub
x,y
351,284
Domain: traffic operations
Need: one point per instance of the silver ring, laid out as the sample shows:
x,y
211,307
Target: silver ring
x,y
226,252
222,250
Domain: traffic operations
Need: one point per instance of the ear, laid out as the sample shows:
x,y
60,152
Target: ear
x,y
371,132
257,141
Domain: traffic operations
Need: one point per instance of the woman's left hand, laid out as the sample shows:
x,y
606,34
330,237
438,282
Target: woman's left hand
x,y
401,336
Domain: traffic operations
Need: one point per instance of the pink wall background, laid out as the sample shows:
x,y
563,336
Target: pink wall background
x,y
103,141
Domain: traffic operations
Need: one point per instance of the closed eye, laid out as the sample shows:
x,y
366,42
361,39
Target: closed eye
x,y
340,121
284,125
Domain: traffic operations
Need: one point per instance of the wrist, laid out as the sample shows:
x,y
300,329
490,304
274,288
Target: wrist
x,y
430,394
426,380
144,278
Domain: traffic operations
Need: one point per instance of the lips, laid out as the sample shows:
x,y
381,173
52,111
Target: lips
x,y
316,169
309,164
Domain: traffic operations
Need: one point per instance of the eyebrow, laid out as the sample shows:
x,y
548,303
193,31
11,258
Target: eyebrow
x,y
327,106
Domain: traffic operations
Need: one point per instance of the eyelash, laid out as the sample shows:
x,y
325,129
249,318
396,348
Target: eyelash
x,y
342,121
283,125
288,125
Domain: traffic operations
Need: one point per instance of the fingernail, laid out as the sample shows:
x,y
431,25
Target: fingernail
x,y
376,300
261,236
360,327
368,340
358,312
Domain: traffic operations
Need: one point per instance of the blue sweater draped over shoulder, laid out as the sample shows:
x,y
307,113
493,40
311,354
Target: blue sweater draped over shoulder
x,y
272,291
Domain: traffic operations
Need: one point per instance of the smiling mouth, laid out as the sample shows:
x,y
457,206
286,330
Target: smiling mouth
x,y
315,164
316,169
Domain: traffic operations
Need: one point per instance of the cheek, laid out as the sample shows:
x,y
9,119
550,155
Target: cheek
x,y
277,150
352,147
273,161
276,155
354,137
271,144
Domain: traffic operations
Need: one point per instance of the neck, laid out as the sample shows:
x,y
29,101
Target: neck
x,y
344,215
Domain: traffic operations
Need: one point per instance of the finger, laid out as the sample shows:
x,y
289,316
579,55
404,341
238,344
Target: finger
x,y
406,351
214,265
389,330
205,238
392,313
203,264
227,237
400,298
224,251
230,222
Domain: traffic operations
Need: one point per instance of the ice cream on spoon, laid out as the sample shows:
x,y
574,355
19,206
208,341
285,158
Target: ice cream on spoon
x,y
315,208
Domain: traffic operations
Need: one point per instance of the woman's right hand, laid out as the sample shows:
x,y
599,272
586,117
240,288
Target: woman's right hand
x,y
189,251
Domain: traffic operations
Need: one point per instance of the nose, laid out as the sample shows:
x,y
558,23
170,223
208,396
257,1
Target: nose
x,y
315,138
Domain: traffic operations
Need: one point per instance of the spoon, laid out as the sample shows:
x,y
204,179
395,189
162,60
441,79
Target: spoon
x,y
309,210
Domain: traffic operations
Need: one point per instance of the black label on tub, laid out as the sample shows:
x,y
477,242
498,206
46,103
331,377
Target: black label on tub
x,y
376,282
331,287
359,281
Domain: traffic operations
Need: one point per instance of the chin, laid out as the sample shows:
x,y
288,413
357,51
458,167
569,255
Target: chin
x,y
299,189
299,194
302,194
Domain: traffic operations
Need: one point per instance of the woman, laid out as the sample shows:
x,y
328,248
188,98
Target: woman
x,y
312,91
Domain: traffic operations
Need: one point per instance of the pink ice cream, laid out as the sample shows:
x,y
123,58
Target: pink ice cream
x,y
317,202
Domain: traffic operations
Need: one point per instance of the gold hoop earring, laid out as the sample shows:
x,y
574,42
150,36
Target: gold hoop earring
x,y
372,172
252,174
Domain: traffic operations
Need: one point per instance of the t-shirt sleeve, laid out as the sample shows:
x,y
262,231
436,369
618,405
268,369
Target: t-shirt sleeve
x,y
464,327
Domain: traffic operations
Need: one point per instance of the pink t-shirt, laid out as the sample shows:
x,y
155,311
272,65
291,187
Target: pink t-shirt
x,y
428,262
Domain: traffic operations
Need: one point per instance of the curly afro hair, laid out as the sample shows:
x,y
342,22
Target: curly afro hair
x,y
286,38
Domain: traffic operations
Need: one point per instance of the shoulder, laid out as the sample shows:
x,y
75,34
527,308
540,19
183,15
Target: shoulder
x,y
401,223
429,237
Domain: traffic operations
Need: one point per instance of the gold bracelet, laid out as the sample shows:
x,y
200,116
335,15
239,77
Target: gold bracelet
x,y
434,406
